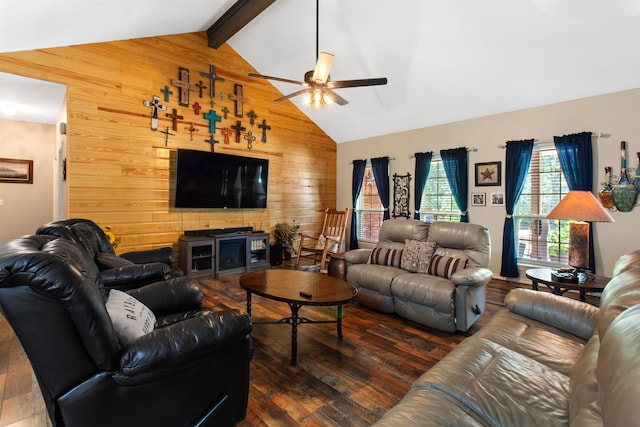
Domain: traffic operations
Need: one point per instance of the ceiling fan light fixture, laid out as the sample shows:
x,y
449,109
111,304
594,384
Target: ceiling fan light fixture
x,y
323,67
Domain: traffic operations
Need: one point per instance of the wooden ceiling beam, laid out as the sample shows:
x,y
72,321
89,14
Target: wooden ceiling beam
x,y
234,19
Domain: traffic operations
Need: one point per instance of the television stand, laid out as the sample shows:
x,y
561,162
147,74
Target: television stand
x,y
236,251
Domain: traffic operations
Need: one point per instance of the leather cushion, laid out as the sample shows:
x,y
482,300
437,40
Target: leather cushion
x,y
444,266
416,255
386,256
106,261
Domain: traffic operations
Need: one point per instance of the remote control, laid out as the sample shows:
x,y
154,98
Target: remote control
x,y
305,294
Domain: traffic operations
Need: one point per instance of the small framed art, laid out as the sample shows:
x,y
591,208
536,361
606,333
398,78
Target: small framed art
x,y
478,199
16,171
488,174
497,199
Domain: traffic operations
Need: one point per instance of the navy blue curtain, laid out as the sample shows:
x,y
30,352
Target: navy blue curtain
x,y
518,160
380,167
356,185
455,167
423,164
576,159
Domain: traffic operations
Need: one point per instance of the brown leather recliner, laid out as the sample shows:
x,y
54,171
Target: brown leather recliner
x,y
192,369
123,272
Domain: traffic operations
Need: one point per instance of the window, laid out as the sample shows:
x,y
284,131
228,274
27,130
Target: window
x,y
540,240
437,203
369,209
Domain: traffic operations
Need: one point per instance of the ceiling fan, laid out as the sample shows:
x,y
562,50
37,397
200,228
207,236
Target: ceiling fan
x,y
319,89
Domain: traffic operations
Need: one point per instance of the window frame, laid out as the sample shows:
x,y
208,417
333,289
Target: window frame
x,y
362,212
438,215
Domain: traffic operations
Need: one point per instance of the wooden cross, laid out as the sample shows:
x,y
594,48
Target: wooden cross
x,y
212,102
252,117
155,105
225,111
222,96
200,87
212,141
191,130
238,128
196,108
250,138
226,132
174,119
213,78
239,99
213,118
166,135
184,85
264,128
167,93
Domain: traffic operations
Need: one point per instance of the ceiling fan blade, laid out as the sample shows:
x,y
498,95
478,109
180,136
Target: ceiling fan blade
x,y
323,67
291,95
280,79
357,83
336,98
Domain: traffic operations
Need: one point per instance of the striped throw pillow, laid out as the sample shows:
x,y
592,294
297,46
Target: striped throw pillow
x,y
445,266
386,256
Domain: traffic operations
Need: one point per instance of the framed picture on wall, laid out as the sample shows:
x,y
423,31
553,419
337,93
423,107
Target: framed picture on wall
x,y
497,199
16,171
488,174
478,199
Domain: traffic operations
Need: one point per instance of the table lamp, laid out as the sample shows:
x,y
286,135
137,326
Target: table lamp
x,y
579,207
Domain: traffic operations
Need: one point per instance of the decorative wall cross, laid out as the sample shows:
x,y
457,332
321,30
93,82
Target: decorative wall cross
x,y
264,128
239,99
200,87
212,141
213,78
250,138
196,108
238,128
174,119
184,85
166,135
191,130
225,111
155,105
213,118
226,132
167,93
252,117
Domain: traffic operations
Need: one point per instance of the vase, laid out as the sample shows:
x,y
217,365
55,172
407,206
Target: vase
x,y
624,193
636,179
606,199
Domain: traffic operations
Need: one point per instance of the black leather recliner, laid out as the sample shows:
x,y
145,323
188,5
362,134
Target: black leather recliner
x,y
123,272
192,369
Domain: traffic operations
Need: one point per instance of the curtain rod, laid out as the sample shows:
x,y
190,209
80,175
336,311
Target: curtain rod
x,y
390,158
549,141
411,156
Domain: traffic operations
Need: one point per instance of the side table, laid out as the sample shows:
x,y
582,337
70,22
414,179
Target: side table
x,y
587,283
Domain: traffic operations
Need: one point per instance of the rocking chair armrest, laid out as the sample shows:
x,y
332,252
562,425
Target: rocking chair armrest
x,y
306,236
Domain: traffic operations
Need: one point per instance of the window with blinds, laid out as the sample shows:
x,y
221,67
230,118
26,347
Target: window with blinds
x,y
369,209
540,240
437,203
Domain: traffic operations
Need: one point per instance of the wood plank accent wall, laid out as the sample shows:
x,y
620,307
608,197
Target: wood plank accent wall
x,y
119,171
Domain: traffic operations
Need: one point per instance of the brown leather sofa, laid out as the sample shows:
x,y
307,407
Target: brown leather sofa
x,y
191,369
546,360
443,303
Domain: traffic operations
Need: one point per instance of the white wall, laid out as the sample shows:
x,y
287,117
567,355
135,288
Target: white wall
x,y
615,115
26,206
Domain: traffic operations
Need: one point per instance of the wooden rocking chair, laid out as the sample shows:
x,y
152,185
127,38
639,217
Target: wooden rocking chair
x,y
330,241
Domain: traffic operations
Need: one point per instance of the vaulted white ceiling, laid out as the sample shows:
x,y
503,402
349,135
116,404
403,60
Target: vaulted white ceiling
x,y
446,60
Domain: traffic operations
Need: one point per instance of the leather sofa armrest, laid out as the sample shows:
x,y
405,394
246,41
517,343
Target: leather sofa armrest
x,y
473,276
575,317
174,348
164,255
169,296
133,276
357,256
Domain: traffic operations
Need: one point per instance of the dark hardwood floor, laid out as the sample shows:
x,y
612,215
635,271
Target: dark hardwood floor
x,y
352,381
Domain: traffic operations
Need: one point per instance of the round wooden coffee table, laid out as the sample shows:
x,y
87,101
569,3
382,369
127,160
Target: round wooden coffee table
x,y
298,288
587,282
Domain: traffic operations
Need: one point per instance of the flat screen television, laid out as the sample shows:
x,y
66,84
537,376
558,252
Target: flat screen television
x,y
214,180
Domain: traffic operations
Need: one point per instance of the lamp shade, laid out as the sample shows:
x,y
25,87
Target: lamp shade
x,y
580,206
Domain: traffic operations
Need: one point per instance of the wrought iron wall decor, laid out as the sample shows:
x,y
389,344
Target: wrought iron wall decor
x,y
401,195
